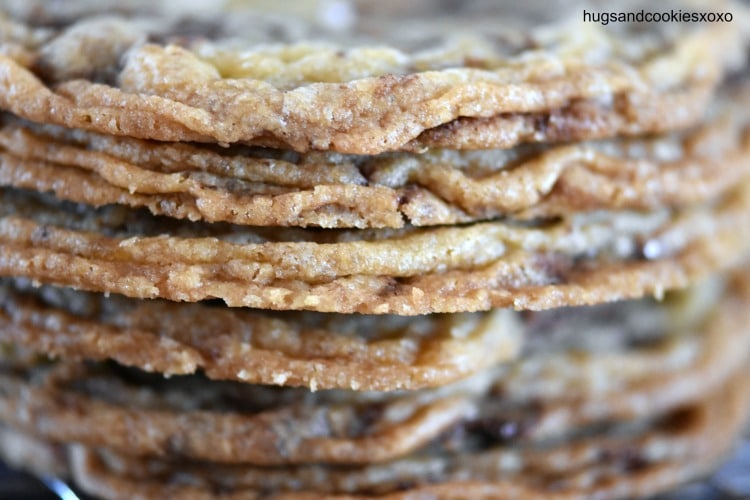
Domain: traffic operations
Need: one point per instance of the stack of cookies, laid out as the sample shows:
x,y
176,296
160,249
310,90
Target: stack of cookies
x,y
451,249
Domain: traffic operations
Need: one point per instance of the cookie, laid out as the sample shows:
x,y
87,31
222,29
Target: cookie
x,y
638,459
276,188
345,95
589,380
320,351
585,259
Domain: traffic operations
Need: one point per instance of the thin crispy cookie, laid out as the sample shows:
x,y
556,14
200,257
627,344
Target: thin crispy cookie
x,y
212,421
361,99
315,350
332,190
650,457
586,259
